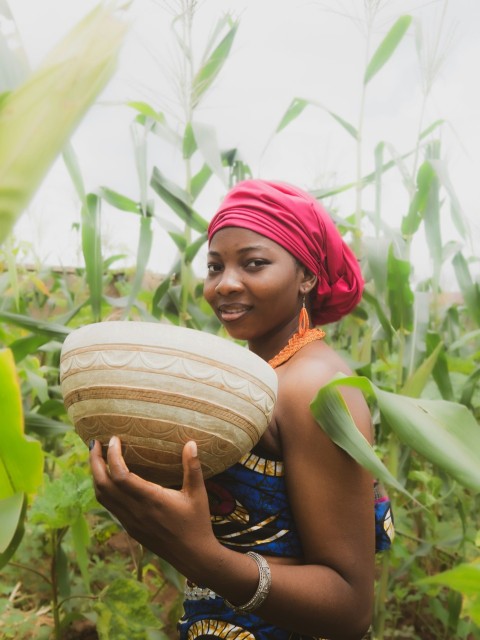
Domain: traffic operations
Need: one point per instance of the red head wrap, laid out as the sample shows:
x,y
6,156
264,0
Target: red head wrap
x,y
296,221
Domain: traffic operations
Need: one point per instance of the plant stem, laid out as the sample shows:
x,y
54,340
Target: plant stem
x,y
54,583
380,597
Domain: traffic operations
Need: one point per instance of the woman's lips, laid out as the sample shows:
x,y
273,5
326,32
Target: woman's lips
x,y
229,313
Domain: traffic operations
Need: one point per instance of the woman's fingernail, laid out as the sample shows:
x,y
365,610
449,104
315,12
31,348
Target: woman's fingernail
x,y
111,442
193,448
91,444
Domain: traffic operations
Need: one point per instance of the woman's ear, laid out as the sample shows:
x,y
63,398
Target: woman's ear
x,y
309,281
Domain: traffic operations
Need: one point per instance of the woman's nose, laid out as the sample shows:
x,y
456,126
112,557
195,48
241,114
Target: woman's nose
x,y
230,282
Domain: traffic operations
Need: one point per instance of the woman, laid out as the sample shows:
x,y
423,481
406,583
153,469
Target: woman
x,y
282,544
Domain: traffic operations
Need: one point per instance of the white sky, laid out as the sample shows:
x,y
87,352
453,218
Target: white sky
x,y
283,49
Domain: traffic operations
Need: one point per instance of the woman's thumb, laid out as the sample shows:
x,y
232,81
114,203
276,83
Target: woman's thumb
x,y
192,469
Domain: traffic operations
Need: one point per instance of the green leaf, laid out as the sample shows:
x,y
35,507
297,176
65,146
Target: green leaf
x,y
189,142
206,139
147,110
445,433
144,249
469,288
118,201
12,516
425,180
10,512
440,370
50,329
177,200
26,346
124,612
21,459
387,47
193,248
297,106
38,117
331,412
415,384
64,499
465,579
210,69
92,251
400,295
199,181
44,426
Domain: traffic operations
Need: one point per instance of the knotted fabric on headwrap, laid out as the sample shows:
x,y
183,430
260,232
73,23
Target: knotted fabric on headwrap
x,y
299,223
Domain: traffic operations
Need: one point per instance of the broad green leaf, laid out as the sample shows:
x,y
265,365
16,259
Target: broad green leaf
x,y
37,118
10,512
400,295
177,201
12,516
20,458
387,47
210,69
331,412
465,579
445,433
14,68
118,201
92,251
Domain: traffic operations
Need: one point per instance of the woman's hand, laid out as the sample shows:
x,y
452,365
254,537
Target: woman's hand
x,y
174,524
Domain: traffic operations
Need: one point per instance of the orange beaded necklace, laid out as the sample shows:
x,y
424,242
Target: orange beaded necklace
x,y
295,343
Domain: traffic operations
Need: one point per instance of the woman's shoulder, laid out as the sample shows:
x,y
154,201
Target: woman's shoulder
x,y
305,374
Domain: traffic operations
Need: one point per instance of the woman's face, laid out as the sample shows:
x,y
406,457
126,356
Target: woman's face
x,y
253,285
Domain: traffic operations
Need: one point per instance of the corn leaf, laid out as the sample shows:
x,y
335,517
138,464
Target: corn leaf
x,y
440,371
469,288
415,384
177,200
119,201
206,139
92,251
445,433
12,516
399,293
210,69
144,249
20,458
387,47
298,105
199,181
37,118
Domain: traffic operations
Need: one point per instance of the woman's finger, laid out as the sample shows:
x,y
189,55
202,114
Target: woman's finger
x,y
192,469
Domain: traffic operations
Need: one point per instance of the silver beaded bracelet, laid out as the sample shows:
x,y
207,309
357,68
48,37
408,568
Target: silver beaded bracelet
x,y
263,589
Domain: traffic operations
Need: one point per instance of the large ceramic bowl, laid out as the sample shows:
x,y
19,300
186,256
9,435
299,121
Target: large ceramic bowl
x,y
157,386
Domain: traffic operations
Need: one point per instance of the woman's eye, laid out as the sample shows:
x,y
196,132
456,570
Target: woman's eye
x,y
256,263
213,268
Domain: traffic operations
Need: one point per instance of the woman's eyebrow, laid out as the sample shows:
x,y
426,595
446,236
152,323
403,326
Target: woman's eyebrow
x,y
254,247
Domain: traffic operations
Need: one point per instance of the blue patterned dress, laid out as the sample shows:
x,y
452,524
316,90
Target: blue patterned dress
x,y
250,512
